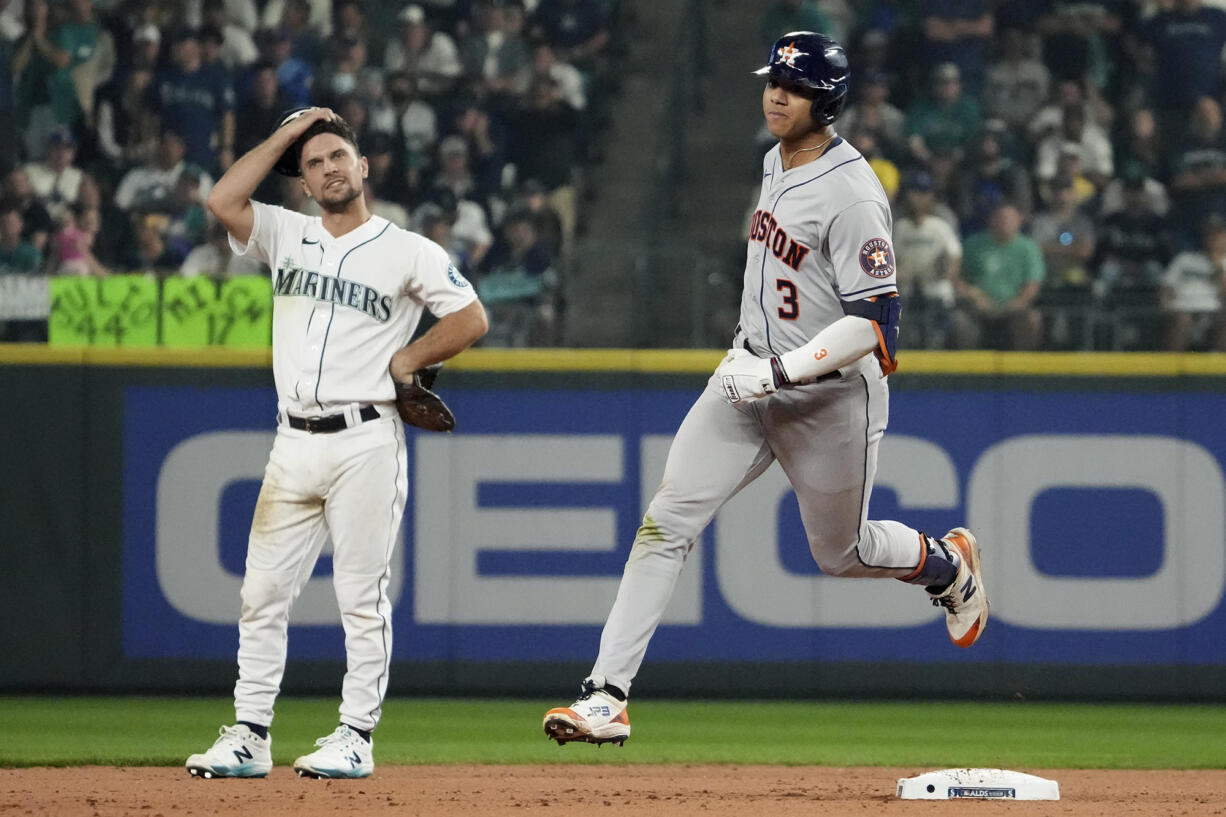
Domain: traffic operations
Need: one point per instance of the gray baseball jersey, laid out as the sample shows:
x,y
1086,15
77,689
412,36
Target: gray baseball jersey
x,y
820,236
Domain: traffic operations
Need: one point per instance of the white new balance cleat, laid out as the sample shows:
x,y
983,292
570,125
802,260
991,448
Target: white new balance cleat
x,y
344,753
596,717
966,599
237,752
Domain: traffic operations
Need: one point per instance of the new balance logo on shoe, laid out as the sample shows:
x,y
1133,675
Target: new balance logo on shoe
x,y
243,753
968,589
354,760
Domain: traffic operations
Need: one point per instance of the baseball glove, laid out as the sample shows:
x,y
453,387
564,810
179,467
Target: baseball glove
x,y
418,406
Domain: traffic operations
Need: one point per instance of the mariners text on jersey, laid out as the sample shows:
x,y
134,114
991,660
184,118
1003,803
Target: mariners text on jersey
x,y
293,280
766,229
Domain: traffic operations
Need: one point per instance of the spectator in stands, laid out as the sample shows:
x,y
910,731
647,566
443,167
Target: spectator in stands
x,y
928,248
1065,235
149,188
306,43
146,50
9,134
56,179
188,218
494,53
578,30
237,48
45,96
424,54
1184,58
873,113
1117,190
542,144
350,21
886,170
18,257
1141,143
149,252
1097,161
384,208
959,32
941,128
350,75
1068,93
566,78
519,286
470,232
126,129
73,246
455,173
36,223
1017,83
487,155
1197,177
1133,246
1002,272
1076,37
197,102
990,178
295,76
114,236
241,13
216,259
434,224
91,53
256,117
533,197
782,16
414,124
1192,292
386,171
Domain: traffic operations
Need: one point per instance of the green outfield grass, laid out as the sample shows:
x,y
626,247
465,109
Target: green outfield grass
x,y
37,731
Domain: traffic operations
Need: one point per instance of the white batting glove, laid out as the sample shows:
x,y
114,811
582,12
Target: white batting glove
x,y
744,376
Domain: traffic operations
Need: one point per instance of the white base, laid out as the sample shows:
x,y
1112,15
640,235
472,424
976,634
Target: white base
x,y
994,784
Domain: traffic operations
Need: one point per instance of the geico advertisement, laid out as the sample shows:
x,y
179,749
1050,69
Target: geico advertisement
x,y
1102,518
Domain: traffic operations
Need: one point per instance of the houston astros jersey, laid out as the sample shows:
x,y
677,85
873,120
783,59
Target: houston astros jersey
x,y
342,306
820,235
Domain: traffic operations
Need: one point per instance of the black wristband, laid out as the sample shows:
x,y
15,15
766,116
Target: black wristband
x,y
778,374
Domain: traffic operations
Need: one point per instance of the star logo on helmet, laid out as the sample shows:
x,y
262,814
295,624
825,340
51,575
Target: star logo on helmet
x,y
788,54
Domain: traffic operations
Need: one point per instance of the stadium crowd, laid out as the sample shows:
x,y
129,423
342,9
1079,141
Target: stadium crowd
x,y
478,118
1057,167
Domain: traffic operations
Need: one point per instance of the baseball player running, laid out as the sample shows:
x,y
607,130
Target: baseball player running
x,y
349,289
804,383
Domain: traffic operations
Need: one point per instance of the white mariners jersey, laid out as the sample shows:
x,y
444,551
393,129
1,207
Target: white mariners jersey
x,y
343,306
820,236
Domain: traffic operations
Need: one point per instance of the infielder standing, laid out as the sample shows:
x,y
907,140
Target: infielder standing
x,y
349,290
804,384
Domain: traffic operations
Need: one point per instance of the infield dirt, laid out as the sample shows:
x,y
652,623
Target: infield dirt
x,y
642,791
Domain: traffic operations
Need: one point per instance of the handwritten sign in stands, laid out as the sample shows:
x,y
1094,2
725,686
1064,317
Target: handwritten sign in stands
x,y
188,307
244,312
127,311
72,320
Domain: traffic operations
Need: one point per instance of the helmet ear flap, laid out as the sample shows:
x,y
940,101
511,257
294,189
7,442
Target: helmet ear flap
x,y
829,105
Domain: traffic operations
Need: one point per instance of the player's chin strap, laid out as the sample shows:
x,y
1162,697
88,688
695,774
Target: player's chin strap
x,y
869,325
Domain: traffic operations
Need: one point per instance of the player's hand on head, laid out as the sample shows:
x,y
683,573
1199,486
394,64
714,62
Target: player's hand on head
x,y
744,376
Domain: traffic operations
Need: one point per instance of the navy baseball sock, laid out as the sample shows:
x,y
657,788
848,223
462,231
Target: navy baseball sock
x,y
614,691
940,566
364,733
262,731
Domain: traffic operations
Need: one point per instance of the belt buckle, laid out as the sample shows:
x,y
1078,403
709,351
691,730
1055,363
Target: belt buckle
x,y
310,424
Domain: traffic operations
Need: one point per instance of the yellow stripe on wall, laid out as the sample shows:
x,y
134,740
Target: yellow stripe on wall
x,y
656,361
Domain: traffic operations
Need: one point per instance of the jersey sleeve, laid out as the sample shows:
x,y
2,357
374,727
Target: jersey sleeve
x,y
437,284
266,225
862,251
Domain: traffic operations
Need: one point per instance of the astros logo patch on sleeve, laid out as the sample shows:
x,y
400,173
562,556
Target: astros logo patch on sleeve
x,y
876,258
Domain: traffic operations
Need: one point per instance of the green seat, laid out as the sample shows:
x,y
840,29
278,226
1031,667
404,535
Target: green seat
x,y
244,313
127,312
189,307
72,318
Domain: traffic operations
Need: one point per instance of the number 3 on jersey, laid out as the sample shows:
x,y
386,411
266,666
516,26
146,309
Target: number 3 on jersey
x,y
790,310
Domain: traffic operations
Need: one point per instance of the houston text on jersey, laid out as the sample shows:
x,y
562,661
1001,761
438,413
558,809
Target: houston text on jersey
x,y
764,228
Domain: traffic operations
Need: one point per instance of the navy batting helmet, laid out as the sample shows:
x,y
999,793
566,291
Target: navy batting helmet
x,y
815,62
